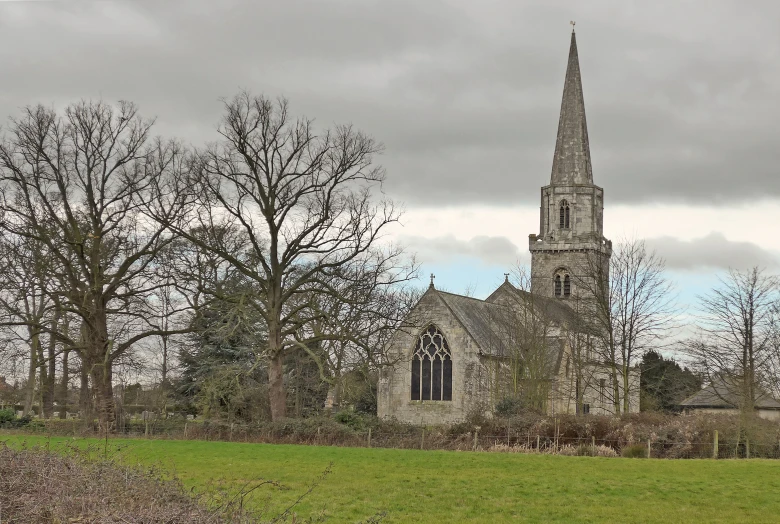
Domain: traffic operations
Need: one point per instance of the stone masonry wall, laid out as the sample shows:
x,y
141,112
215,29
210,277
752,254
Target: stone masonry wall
x,y
394,388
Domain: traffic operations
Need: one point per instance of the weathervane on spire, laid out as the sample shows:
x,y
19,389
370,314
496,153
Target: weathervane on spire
x,y
573,23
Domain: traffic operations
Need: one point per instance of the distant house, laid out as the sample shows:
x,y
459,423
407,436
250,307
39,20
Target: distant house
x,y
719,397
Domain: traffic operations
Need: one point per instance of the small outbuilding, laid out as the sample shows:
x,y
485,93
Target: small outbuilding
x,y
719,397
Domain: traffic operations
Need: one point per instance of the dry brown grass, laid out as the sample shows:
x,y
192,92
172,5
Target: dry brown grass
x,y
41,486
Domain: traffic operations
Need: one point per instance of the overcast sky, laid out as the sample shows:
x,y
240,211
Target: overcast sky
x,y
681,98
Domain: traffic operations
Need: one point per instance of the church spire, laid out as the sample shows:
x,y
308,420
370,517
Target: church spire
x,y
571,162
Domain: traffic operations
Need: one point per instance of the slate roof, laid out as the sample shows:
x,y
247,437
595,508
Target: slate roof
x,y
481,320
555,309
719,395
485,322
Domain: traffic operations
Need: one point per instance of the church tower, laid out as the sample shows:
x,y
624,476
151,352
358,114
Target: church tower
x,y
570,248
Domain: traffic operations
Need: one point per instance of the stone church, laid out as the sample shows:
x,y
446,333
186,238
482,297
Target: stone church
x,y
537,347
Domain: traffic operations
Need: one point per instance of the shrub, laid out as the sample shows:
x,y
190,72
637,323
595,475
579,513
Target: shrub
x,y
8,419
586,450
634,451
350,419
7,415
509,406
605,451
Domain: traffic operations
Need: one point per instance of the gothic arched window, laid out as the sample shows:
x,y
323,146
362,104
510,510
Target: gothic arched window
x,y
566,286
557,285
564,215
432,367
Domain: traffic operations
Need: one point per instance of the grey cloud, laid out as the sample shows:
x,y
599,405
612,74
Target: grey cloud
x,y
681,96
490,250
711,252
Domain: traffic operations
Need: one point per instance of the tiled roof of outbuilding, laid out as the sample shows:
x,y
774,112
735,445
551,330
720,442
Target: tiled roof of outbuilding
x,y
720,395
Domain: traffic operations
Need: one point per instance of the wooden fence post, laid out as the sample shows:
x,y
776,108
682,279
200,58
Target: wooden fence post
x,y
230,437
593,444
715,445
648,448
476,438
747,447
185,431
422,439
369,437
537,443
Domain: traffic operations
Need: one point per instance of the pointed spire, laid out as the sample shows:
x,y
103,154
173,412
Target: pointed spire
x,y
571,162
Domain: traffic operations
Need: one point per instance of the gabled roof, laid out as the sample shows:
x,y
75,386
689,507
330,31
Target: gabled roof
x,y
571,161
555,309
720,395
492,325
481,320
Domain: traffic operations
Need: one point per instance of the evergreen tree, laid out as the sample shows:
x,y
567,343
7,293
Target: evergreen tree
x,y
664,384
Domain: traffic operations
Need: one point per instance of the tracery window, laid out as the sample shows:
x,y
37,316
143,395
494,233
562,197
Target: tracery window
x,y
566,286
557,285
564,215
432,367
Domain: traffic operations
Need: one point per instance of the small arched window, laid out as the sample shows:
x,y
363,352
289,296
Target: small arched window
x,y
432,367
562,283
564,215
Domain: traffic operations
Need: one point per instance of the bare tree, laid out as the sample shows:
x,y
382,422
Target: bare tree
x,y
82,185
304,203
530,331
26,305
632,308
355,324
735,347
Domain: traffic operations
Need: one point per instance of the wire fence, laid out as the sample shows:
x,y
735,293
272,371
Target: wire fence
x,y
303,431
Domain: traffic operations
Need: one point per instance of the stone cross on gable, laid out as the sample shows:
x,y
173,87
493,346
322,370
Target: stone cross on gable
x,y
432,277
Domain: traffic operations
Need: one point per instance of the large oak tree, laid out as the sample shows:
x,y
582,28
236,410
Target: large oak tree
x,y
306,205
82,185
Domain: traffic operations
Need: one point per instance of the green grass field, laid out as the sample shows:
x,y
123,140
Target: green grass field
x,y
443,486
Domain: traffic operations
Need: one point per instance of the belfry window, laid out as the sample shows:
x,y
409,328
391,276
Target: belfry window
x,y
432,367
562,284
564,215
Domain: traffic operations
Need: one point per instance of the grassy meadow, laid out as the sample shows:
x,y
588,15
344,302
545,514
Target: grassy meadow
x,y
446,486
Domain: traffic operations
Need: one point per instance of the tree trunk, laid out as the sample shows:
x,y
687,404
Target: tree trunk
x,y
104,396
29,395
276,392
615,390
626,385
64,384
48,379
85,395
46,400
